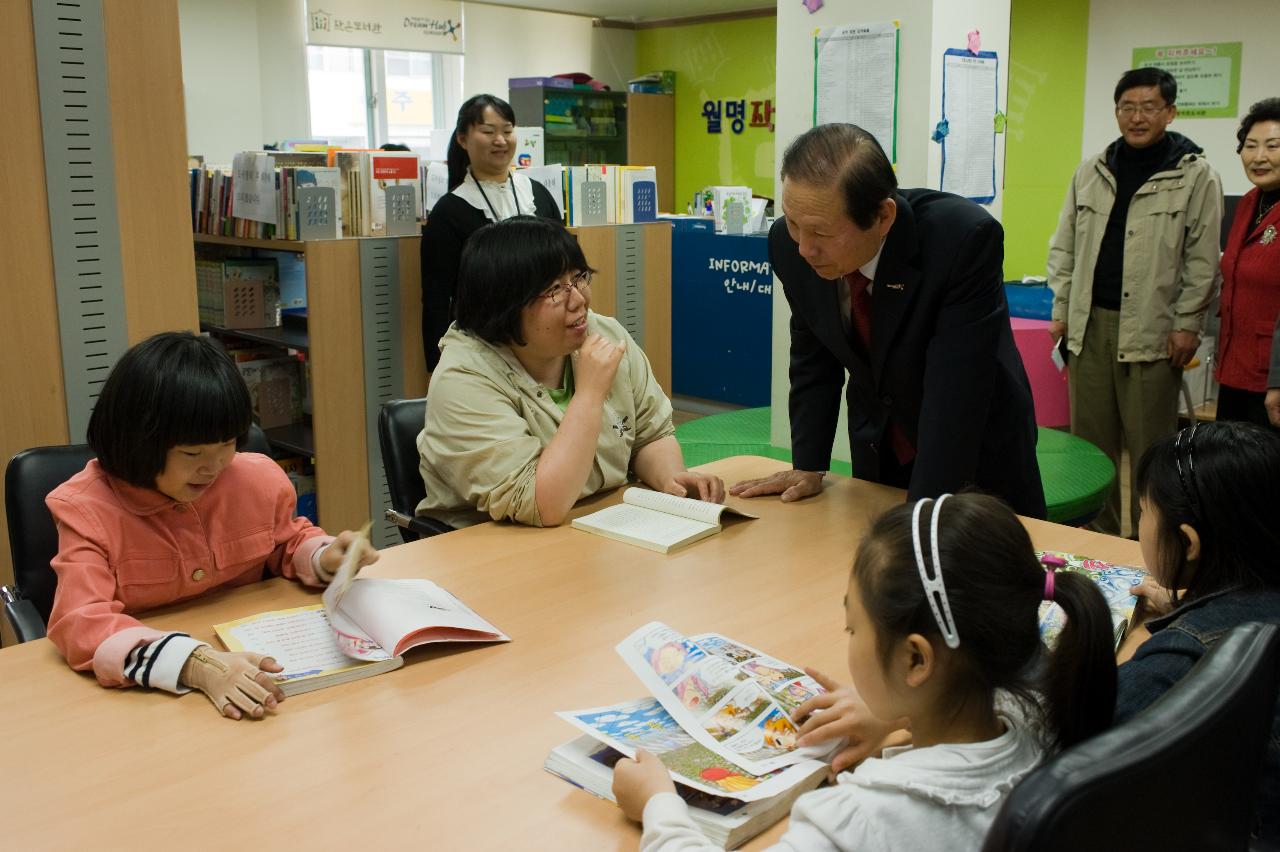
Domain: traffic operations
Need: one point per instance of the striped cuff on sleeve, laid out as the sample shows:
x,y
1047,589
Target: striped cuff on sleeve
x,y
158,664
322,575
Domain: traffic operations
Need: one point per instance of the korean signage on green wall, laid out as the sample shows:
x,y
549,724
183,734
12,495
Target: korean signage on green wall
x,y
1208,76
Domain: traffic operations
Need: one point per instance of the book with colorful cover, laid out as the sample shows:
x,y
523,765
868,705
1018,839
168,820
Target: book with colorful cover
x,y
720,716
1114,581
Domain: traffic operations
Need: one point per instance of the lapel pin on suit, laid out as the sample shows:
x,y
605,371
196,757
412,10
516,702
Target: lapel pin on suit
x,y
895,286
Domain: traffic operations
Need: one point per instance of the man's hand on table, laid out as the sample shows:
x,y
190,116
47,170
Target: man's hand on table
x,y
791,484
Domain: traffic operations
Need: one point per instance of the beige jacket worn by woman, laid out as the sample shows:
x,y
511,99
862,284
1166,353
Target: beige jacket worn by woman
x,y
1170,254
488,420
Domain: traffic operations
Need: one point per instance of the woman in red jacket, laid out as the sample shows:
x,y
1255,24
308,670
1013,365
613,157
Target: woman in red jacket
x,y
1251,271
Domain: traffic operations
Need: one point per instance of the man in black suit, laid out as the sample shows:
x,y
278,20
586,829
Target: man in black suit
x,y
903,289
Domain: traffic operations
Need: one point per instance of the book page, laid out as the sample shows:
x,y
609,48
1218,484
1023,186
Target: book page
x,y
718,694
391,611
301,640
650,525
645,724
683,507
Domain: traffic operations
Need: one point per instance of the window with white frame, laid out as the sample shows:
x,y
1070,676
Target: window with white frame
x,y
364,97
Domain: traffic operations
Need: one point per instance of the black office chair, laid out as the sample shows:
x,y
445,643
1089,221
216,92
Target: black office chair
x,y
399,423
1190,762
33,538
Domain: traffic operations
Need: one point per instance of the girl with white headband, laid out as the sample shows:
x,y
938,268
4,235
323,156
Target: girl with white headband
x,y
942,615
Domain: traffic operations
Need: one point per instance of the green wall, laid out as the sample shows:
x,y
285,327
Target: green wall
x,y
1049,44
727,60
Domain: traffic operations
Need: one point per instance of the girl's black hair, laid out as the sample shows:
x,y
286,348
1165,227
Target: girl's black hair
x,y
505,266
1267,109
994,584
171,389
1222,479
470,114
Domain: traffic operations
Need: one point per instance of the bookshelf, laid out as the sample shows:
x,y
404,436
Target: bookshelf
x,y
579,126
363,341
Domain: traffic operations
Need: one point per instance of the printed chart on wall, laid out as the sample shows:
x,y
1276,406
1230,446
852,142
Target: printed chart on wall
x,y
855,79
1208,75
967,130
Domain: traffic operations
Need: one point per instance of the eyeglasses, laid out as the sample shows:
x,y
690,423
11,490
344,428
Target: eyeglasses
x,y
1146,110
559,291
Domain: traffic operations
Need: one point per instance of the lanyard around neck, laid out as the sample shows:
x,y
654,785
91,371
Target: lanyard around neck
x,y
516,200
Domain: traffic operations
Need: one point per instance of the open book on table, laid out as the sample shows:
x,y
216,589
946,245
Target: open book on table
x,y
657,521
362,629
1114,581
720,716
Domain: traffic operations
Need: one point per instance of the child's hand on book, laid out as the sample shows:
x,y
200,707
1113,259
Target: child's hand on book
x,y
840,713
637,781
238,683
1156,599
332,556
595,364
696,485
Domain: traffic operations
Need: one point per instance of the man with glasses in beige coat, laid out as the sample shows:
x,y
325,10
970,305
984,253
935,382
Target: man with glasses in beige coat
x,y
1133,267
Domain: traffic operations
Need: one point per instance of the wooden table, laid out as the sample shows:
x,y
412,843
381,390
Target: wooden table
x,y
447,752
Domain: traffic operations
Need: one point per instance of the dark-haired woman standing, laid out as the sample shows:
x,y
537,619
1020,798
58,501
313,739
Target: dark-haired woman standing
x,y
1251,272
482,189
538,402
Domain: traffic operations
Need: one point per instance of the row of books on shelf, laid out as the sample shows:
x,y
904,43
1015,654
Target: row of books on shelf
x,y
258,197
601,194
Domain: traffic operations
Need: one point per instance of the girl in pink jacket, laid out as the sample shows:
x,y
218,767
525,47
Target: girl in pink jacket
x,y
168,511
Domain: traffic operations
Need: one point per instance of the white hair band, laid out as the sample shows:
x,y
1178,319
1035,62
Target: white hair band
x,y
934,589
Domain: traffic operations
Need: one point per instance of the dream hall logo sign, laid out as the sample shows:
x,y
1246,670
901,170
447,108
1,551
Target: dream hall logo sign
x,y
434,26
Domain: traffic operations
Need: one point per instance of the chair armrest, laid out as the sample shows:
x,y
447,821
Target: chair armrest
x,y
424,527
22,616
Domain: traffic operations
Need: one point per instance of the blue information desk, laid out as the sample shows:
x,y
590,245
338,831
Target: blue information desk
x,y
721,317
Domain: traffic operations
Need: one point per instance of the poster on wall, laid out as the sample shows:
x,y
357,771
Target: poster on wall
x,y
967,130
434,26
1208,75
855,79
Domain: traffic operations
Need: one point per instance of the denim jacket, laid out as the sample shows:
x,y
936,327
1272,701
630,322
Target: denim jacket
x,y
1178,640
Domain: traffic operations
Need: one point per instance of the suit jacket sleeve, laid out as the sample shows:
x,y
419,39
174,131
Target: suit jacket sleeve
x,y
960,370
816,379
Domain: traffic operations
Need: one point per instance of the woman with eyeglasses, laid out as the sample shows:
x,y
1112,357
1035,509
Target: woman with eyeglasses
x,y
1251,276
482,189
538,402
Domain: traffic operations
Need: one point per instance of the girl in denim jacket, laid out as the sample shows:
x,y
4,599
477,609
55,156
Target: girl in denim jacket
x,y
1210,536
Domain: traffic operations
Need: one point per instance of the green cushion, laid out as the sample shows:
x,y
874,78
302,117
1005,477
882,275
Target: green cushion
x,y
1075,473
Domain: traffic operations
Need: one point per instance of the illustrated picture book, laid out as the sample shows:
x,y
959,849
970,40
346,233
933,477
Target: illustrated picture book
x,y
657,521
363,628
720,717
1114,581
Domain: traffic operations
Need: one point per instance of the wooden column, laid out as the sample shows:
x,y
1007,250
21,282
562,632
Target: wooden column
x,y
35,410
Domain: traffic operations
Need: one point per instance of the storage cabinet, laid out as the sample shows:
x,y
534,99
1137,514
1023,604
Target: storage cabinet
x,y
580,126
363,341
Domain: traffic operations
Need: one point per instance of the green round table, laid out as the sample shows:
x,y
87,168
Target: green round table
x,y
1075,473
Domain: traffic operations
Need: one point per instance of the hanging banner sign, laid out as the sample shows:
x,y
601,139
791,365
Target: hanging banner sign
x,y
434,26
1208,75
